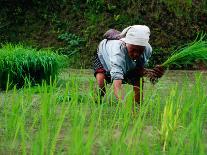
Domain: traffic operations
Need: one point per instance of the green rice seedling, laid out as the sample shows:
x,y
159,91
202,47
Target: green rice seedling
x,y
34,121
185,130
18,63
170,119
197,125
196,50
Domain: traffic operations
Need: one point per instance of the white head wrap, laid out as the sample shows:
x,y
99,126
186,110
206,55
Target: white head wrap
x,y
136,35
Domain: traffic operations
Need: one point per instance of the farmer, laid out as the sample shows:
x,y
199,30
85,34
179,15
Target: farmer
x,y
121,58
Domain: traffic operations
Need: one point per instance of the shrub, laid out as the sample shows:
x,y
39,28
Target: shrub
x,y
72,42
18,63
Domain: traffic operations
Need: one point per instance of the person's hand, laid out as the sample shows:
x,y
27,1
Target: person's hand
x,y
155,73
158,71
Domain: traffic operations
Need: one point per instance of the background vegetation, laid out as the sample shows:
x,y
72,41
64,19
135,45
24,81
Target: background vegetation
x,y
76,26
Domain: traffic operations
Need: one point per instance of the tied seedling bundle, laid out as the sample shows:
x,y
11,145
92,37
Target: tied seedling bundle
x,y
195,51
19,64
188,55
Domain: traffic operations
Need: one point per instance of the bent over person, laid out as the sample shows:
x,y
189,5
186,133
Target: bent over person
x,y
121,58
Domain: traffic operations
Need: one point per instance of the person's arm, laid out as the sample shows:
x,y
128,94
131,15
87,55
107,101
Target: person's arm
x,y
155,73
118,90
137,93
117,63
142,62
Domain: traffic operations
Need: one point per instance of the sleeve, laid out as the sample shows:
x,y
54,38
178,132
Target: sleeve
x,y
117,62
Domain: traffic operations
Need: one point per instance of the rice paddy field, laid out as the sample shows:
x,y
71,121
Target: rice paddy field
x,y
64,117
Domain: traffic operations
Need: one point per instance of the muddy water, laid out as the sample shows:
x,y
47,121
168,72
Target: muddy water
x,y
170,78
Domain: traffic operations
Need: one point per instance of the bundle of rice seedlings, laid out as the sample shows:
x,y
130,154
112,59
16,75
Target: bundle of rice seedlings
x,y
18,63
188,55
195,51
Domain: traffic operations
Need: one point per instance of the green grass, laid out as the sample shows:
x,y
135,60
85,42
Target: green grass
x,y
63,118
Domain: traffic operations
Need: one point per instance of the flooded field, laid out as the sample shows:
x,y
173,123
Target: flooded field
x,y
65,118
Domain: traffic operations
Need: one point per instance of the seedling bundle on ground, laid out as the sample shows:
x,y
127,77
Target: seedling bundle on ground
x,y
19,65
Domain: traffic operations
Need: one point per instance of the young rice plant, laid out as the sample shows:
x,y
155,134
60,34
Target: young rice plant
x,y
42,120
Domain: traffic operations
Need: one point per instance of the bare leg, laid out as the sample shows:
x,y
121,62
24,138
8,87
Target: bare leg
x,y
100,77
137,95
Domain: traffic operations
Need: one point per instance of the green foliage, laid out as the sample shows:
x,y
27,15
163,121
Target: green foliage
x,y
189,54
73,43
95,5
19,63
179,7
